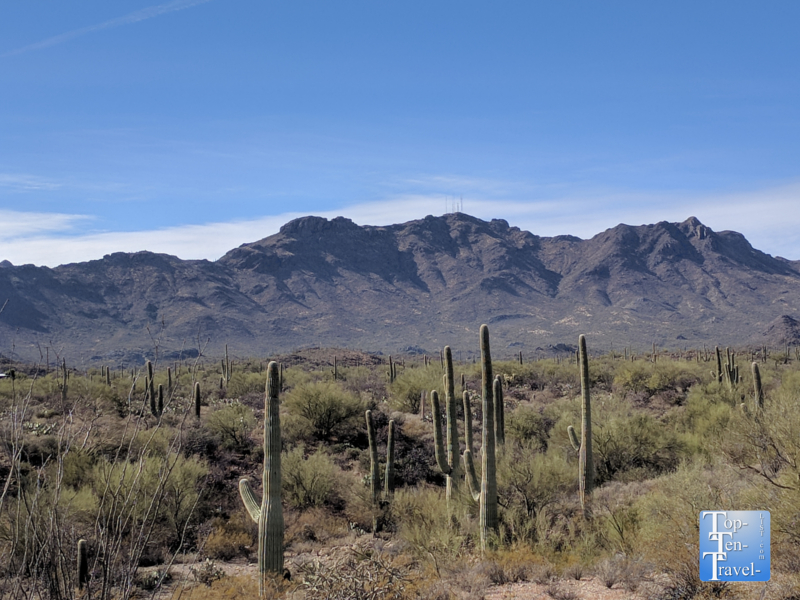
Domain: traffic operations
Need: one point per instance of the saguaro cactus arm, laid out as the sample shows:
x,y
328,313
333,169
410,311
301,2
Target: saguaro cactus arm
x,y
467,420
573,438
472,477
249,499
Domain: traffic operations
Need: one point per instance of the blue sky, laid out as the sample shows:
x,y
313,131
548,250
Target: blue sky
x,y
194,126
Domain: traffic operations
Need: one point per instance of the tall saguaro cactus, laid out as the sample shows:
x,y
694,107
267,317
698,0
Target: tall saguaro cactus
x,y
451,464
759,392
585,461
486,494
269,512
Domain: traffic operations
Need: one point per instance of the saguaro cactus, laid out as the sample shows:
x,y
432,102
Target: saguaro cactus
x,y
197,399
759,392
269,512
585,461
374,473
150,388
83,565
451,464
487,493
375,476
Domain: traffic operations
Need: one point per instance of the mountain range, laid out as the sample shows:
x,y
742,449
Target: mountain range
x,y
408,288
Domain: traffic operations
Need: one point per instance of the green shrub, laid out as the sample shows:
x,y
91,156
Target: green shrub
x,y
631,444
531,479
406,391
326,408
242,384
233,424
309,481
528,426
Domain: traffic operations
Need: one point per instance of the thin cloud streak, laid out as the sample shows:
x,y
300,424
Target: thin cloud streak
x,y
22,226
767,218
130,18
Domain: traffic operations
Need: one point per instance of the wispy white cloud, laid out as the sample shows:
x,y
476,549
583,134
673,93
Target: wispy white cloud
x,y
768,218
21,226
26,183
134,17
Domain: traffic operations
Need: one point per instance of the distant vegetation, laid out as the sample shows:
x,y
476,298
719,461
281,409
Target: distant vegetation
x,y
110,489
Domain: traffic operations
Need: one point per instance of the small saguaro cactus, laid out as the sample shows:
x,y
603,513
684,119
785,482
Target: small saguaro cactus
x,y
269,512
374,472
450,465
486,493
83,565
584,448
392,370
197,399
150,388
64,380
718,373
759,392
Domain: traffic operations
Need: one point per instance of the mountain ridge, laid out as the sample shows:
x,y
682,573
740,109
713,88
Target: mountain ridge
x,y
420,284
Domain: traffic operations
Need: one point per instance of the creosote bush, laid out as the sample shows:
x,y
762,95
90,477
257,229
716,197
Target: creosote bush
x,y
309,481
324,409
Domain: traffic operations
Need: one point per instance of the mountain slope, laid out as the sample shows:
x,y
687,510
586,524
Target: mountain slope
x,y
421,284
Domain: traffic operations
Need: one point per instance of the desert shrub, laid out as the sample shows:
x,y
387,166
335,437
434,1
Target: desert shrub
x,y
357,573
309,481
633,377
668,517
528,425
433,530
313,525
231,538
703,422
207,572
530,479
630,443
406,391
232,425
242,384
326,409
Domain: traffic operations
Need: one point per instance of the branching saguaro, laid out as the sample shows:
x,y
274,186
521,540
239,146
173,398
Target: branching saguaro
x,y
450,464
486,491
269,512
